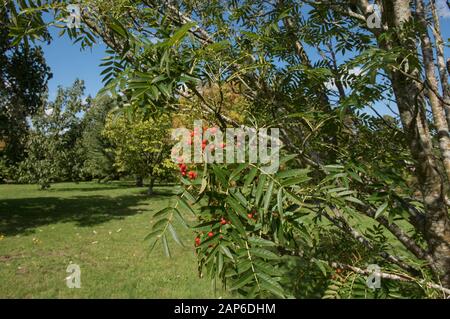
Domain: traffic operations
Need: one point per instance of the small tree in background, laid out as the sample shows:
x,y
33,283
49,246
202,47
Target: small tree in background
x,y
99,158
141,146
51,147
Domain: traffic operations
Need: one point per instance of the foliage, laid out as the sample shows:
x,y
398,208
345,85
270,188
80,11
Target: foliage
x,y
23,85
51,149
375,184
141,146
269,235
97,150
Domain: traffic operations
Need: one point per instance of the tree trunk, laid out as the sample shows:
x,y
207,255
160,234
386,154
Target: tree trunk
x,y
150,186
411,104
440,59
139,181
432,85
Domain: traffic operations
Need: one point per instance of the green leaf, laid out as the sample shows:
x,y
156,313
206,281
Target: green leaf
x,y
153,234
280,201
236,222
237,194
292,172
269,284
236,206
226,251
220,263
322,266
243,280
381,210
268,196
353,200
221,176
188,196
258,241
295,181
265,267
175,235
162,212
260,188
250,177
180,218
160,223
118,28
287,158
235,174
179,34
264,253
166,246
185,205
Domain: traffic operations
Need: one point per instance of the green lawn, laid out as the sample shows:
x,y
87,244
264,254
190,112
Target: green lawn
x,y
100,227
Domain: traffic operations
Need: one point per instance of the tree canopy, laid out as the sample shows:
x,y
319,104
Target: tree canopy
x,y
375,186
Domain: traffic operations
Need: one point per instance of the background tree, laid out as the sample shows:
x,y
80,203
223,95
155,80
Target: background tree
x,y
23,85
51,150
141,146
98,151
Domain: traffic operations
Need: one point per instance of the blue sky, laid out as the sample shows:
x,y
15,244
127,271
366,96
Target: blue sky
x,y
68,62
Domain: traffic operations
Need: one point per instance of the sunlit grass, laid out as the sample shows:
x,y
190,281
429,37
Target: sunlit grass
x,y
100,227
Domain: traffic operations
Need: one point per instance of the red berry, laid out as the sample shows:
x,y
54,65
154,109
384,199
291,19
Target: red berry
x,y
210,234
223,221
192,175
183,173
197,241
250,216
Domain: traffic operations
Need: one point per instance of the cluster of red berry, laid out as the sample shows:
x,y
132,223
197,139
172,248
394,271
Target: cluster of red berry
x,y
198,240
210,234
223,221
183,170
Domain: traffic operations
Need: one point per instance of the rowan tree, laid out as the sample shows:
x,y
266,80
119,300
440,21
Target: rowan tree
x,y
377,187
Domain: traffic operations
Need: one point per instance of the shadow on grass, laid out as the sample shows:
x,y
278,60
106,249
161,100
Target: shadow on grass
x,y
158,193
87,189
112,186
22,216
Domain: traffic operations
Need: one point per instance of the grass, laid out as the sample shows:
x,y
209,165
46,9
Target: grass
x,y
100,227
